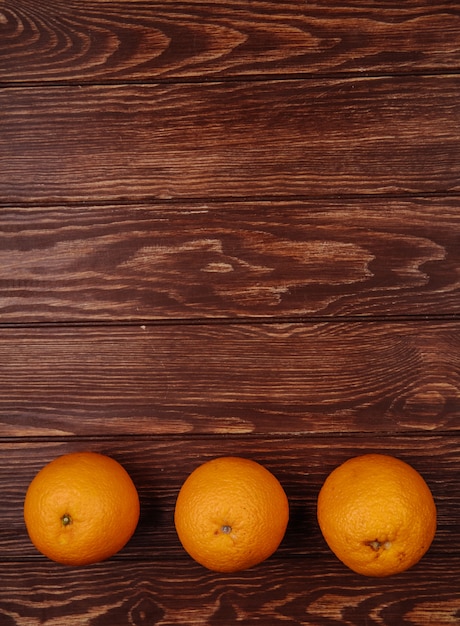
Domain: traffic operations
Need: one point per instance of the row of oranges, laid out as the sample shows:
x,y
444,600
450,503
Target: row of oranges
x,y
376,512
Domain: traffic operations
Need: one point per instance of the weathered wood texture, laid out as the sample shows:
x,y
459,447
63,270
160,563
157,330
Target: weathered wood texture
x,y
180,379
62,41
230,140
176,592
269,259
229,228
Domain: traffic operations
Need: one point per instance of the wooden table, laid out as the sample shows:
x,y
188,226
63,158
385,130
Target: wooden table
x,y
229,228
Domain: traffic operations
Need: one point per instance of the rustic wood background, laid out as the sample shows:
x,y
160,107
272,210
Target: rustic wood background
x,y
229,228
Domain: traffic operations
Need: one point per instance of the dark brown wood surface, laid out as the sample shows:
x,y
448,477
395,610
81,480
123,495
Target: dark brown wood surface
x,y
380,135
316,258
118,41
210,378
229,228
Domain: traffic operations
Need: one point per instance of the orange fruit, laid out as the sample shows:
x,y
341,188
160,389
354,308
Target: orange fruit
x,y
81,508
377,514
231,513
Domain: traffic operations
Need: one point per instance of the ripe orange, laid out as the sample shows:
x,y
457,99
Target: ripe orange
x,y
81,508
231,513
377,514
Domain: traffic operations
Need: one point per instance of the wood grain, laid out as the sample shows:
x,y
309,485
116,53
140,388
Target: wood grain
x,y
136,40
237,140
231,260
176,592
229,228
159,466
241,378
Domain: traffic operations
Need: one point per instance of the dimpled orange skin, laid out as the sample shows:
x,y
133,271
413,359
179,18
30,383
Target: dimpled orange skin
x,y
231,514
377,514
81,508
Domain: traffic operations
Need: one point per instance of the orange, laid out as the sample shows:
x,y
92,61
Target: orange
x,y
377,514
231,513
81,508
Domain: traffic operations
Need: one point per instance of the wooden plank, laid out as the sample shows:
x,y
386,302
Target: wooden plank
x,y
138,40
304,591
230,140
263,259
262,378
159,466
